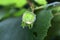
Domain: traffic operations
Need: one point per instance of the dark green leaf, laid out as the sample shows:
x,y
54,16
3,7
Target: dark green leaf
x,y
10,29
55,28
42,24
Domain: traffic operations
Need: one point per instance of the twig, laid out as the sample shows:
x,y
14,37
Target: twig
x,y
48,5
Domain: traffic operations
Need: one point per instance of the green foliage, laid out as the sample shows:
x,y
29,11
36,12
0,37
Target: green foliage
x,y
55,28
7,2
19,13
17,3
57,17
54,31
20,3
56,9
42,24
1,16
3,13
10,29
41,2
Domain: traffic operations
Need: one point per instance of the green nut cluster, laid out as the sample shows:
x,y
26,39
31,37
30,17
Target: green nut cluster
x,y
28,18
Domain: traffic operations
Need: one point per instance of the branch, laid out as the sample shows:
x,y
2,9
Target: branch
x,y
48,5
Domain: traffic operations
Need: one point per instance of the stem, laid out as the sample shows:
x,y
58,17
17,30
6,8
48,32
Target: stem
x,y
31,5
39,7
48,5
57,14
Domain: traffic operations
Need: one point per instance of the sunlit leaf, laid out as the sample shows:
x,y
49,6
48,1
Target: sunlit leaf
x,y
20,3
41,2
7,2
